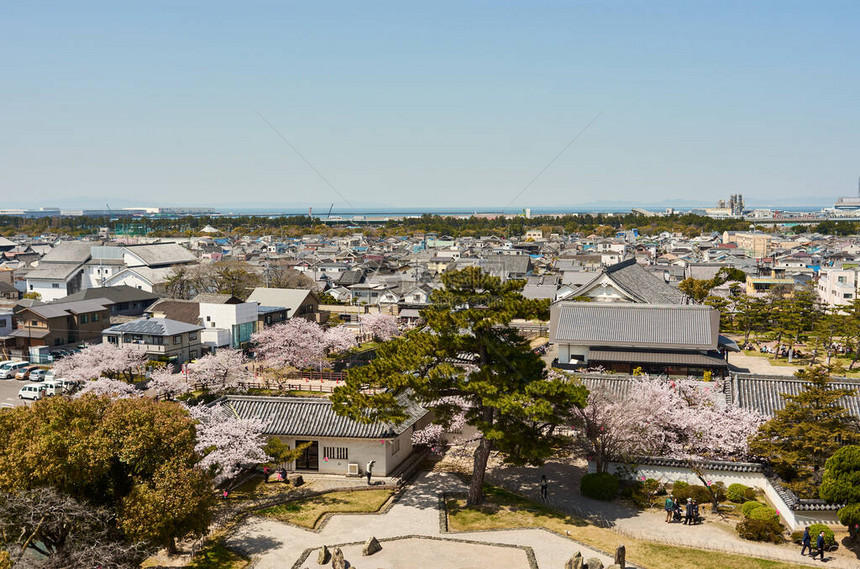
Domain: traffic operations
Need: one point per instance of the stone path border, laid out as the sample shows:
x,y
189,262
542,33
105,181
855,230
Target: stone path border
x,y
530,554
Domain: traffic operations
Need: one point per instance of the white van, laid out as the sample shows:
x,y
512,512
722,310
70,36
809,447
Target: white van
x,y
8,371
53,386
32,391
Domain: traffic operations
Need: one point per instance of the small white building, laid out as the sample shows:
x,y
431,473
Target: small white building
x,y
338,445
226,320
837,287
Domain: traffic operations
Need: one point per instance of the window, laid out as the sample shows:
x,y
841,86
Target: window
x,y
336,453
193,354
192,336
208,319
395,447
84,318
112,339
55,285
34,322
2,322
177,339
846,295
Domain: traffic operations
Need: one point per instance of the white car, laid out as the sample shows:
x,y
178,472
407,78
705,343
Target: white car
x,y
53,386
9,369
31,391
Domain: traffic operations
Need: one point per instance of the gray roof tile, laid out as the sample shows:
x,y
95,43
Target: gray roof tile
x,y
153,327
315,417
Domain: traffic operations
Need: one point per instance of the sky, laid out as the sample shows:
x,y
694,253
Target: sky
x,y
432,104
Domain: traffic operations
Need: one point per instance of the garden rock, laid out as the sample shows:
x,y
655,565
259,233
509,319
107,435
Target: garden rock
x,y
324,555
621,557
371,546
337,560
295,479
574,562
594,563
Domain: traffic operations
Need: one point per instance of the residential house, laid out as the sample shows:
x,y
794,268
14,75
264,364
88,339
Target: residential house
x,y
298,302
629,282
226,319
60,272
161,339
122,300
60,323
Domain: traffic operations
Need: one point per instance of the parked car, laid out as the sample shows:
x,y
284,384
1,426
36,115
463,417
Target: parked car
x,y
8,371
53,386
23,373
38,374
31,391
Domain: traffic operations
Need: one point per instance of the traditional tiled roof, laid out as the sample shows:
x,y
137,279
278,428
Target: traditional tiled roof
x,y
58,309
640,284
673,326
764,394
315,417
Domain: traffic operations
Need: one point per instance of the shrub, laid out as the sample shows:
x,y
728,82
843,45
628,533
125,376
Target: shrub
x,y
642,493
750,494
761,530
679,485
697,493
737,493
849,516
829,538
763,513
600,486
748,507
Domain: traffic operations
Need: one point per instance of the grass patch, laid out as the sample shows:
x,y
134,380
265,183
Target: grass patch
x,y
256,487
504,510
217,556
308,512
214,556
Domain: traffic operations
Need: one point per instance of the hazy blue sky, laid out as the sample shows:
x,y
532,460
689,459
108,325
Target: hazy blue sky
x,y
439,104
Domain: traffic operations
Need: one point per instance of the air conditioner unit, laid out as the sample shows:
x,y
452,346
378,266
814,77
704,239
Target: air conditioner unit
x,y
352,469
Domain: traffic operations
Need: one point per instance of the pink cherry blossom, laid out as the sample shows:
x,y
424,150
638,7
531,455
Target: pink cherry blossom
x,y
101,360
166,384
339,339
225,369
297,343
380,326
112,388
227,442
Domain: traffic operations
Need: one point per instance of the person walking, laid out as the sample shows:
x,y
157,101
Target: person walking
x,y
543,486
820,543
369,470
670,508
688,518
806,542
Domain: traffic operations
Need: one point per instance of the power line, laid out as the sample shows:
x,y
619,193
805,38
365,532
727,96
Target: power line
x,y
557,156
318,173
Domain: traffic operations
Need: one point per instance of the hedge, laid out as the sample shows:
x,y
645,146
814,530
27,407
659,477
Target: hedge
x,y
600,486
763,513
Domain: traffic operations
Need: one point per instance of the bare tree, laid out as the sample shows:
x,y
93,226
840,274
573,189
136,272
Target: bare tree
x,y
44,529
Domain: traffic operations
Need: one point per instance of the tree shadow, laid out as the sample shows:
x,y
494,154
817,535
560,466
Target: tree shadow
x,y
254,545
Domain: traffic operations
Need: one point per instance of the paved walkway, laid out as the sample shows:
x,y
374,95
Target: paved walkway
x,y
279,546
645,525
758,364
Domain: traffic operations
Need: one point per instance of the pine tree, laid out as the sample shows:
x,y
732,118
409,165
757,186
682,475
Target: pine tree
x,y
469,350
802,436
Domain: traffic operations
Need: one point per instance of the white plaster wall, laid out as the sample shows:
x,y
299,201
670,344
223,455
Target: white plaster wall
x,y
46,290
133,281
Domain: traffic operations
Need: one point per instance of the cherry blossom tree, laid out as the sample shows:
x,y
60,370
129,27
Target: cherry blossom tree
x,y
381,326
166,385
450,418
219,371
683,419
101,360
227,442
298,343
112,388
339,339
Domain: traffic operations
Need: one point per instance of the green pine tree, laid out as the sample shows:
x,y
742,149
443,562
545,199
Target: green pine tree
x,y
469,349
802,436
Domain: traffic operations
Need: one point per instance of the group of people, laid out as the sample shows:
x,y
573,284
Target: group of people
x,y
807,544
690,512
280,474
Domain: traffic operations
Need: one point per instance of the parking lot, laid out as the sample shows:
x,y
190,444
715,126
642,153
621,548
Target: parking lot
x,y
9,392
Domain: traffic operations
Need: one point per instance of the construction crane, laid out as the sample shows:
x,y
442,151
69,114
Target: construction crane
x,y
329,212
